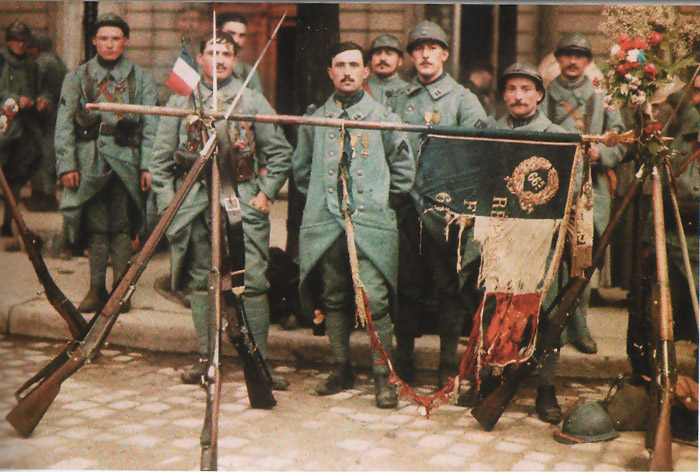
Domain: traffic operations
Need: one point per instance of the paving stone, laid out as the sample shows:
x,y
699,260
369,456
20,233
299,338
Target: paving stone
x,y
188,422
565,466
121,405
464,449
81,433
154,407
365,417
81,405
354,445
106,437
446,461
539,457
435,442
186,443
233,462
96,413
232,442
510,447
132,428
143,441
608,467
380,453
526,465
73,464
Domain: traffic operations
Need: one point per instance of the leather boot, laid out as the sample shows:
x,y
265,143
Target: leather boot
x,y
405,365
386,395
546,405
98,253
257,310
340,379
120,248
94,299
195,373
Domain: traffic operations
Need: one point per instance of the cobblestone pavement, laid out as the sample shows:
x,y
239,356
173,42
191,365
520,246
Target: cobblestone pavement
x,y
128,410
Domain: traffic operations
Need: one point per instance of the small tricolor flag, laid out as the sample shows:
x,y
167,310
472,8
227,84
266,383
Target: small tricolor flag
x,y
184,76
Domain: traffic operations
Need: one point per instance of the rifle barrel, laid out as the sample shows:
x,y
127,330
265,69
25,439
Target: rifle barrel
x,y
358,124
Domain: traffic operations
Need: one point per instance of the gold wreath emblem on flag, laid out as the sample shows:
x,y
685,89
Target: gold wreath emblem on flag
x,y
530,171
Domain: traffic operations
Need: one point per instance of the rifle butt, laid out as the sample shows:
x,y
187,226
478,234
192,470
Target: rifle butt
x,y
31,407
661,455
259,386
208,459
490,409
27,414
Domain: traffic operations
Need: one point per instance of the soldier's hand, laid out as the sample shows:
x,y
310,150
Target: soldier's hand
x,y
145,181
41,104
71,180
594,152
261,202
25,102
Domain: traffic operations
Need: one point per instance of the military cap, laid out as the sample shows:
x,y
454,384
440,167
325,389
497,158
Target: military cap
x,y
385,41
426,31
111,20
522,70
574,42
18,31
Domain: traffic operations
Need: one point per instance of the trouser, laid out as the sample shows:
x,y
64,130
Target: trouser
x,y
108,227
18,158
43,179
337,300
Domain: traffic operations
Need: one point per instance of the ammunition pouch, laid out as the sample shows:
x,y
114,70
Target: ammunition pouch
x,y
184,160
86,125
128,132
243,163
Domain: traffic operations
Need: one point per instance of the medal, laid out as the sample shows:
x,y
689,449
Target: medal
x,y
364,140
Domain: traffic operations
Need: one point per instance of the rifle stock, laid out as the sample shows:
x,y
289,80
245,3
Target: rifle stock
x,y
255,372
31,407
490,409
77,325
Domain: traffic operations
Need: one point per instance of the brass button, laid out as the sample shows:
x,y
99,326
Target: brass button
x,y
331,190
330,172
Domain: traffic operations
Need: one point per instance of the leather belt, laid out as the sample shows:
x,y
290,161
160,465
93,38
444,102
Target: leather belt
x,y
107,130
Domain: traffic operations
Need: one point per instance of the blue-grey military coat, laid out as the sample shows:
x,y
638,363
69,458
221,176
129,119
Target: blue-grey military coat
x,y
590,117
382,164
98,160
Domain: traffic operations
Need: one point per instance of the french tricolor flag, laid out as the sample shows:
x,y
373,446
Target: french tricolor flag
x,y
184,76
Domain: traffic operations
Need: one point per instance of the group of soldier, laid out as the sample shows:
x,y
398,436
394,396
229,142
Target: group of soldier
x,y
107,161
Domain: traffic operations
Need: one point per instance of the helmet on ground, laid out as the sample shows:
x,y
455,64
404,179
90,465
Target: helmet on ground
x,y
574,43
587,423
426,31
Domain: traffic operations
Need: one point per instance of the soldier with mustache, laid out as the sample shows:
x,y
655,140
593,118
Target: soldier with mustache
x,y
573,102
385,58
433,97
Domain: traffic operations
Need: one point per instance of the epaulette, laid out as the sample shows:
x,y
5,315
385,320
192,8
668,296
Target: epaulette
x,y
311,109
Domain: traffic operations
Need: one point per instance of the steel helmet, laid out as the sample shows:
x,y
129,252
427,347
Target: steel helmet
x,y
524,70
587,423
17,31
574,42
426,31
386,41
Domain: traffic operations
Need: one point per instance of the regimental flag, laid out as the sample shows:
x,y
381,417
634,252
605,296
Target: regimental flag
x,y
184,76
518,188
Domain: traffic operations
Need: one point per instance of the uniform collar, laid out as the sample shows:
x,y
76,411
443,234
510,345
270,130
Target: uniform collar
x,y
389,80
581,88
357,111
119,73
443,85
521,122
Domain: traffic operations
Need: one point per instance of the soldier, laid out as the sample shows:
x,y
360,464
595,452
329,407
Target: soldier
x,y
236,25
103,158
385,58
479,79
21,90
573,102
189,233
522,89
380,165
52,70
433,97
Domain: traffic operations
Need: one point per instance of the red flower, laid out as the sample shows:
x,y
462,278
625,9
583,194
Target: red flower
x,y
621,55
631,64
623,38
638,43
596,82
621,69
654,38
650,71
652,127
626,46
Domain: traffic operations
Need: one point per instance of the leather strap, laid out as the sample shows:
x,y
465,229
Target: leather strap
x,y
233,219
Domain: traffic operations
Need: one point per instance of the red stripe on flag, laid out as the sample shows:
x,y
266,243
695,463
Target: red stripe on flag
x,y
178,85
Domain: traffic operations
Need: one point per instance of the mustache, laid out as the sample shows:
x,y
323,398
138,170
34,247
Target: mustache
x,y
382,63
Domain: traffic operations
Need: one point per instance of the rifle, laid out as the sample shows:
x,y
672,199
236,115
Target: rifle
x,y
212,379
32,405
665,376
490,409
65,308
